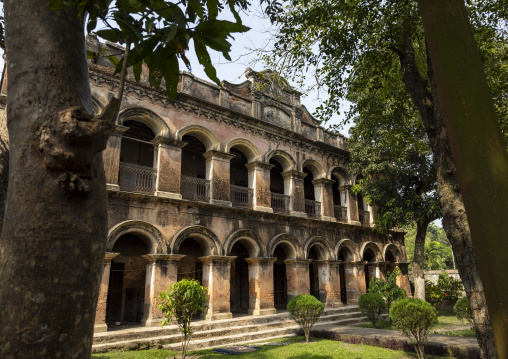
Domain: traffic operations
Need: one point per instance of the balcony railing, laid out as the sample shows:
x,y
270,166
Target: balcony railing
x,y
133,178
280,203
195,189
364,217
312,208
340,213
241,196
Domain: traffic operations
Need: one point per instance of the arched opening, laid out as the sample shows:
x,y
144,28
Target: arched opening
x,y
313,273
195,185
279,278
239,293
370,271
390,258
339,197
241,187
280,202
126,292
345,255
190,266
363,212
312,206
137,159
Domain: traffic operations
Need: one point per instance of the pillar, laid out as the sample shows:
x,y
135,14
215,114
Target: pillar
x,y
351,276
382,270
161,273
360,278
293,187
169,166
351,203
332,286
111,157
100,313
261,295
217,172
297,273
403,278
323,186
259,176
216,277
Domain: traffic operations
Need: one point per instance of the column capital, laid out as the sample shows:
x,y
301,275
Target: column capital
x,y
334,264
120,130
298,262
109,256
217,155
293,174
221,260
382,264
360,263
347,263
321,261
345,188
262,260
402,264
258,165
323,182
163,257
167,142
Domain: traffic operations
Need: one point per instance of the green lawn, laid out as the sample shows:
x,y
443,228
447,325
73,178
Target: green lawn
x,y
316,349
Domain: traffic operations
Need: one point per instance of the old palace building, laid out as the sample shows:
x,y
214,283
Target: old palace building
x,y
238,187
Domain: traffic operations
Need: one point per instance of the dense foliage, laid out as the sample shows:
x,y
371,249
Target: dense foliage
x,y
388,289
452,288
372,305
305,310
438,253
413,317
183,300
463,310
433,294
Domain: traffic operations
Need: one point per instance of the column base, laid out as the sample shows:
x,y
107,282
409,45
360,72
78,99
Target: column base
x,y
218,316
218,202
112,187
263,209
100,328
329,219
156,322
171,195
260,312
298,214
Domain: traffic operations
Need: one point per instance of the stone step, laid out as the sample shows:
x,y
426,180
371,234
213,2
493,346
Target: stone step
x,y
212,334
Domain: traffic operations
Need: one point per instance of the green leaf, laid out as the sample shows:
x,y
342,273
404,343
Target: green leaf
x,y
197,7
213,8
136,69
92,24
113,35
141,50
204,59
171,75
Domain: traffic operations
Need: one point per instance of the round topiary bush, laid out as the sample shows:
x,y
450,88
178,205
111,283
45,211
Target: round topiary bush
x,y
463,311
372,305
305,310
413,317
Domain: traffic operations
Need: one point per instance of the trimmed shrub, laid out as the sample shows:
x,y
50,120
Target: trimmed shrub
x,y
413,317
463,311
183,299
372,305
305,310
433,294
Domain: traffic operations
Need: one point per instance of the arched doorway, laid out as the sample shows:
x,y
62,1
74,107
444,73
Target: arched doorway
x,y
126,292
313,273
239,283
190,266
390,258
241,189
195,185
370,271
137,159
279,278
345,255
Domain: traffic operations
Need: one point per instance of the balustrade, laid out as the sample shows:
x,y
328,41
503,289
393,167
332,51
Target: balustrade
x,y
312,208
340,213
280,203
133,178
241,196
195,189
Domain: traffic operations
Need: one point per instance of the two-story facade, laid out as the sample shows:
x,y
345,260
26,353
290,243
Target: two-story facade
x,y
238,187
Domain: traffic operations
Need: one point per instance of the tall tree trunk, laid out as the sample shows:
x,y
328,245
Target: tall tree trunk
x,y
418,259
55,228
454,215
4,165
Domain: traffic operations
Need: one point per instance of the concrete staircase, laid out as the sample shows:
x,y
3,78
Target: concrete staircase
x,y
210,334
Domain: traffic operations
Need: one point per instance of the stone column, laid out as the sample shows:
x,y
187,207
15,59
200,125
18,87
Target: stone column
x,y
351,203
100,313
217,171
259,176
216,277
161,273
381,270
324,187
403,278
360,278
169,166
111,157
293,187
261,297
297,273
351,275
333,285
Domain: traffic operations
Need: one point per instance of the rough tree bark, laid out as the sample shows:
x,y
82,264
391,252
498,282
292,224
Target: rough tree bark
x,y
454,221
54,234
418,259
